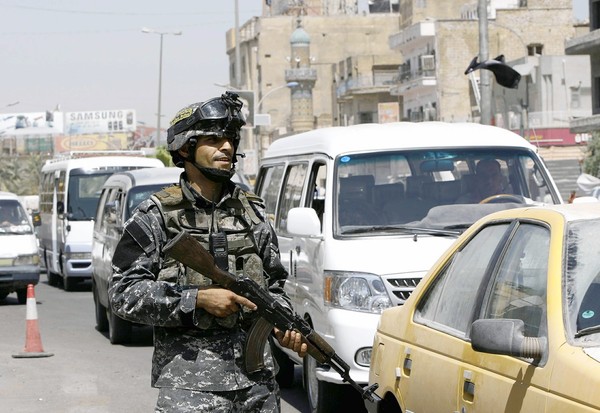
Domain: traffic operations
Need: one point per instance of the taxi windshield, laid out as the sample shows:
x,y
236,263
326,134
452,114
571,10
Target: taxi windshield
x,y
582,281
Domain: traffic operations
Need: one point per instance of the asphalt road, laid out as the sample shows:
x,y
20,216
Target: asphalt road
x,y
86,373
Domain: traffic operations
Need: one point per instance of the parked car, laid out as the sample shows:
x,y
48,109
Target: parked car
x,y
121,194
507,320
361,214
19,258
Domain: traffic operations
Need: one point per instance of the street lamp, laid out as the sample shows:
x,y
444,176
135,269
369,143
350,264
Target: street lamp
x,y
161,34
288,84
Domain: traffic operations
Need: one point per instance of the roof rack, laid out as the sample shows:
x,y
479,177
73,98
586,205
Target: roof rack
x,y
86,154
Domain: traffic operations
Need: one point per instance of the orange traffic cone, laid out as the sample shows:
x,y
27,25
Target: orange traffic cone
x,y
33,342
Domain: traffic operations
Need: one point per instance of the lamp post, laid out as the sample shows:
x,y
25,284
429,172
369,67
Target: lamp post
x,y
259,110
161,34
288,84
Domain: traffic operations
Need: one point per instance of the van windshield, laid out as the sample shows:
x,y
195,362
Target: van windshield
x,y
84,192
13,218
435,189
139,193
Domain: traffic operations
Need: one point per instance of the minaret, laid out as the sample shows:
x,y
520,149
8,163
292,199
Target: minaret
x,y
301,73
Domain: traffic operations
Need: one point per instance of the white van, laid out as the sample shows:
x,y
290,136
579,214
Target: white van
x,y
362,212
19,259
69,190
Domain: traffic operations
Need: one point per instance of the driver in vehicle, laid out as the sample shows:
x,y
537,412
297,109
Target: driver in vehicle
x,y
489,181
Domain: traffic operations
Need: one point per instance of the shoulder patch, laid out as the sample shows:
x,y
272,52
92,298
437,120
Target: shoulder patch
x,y
255,199
171,195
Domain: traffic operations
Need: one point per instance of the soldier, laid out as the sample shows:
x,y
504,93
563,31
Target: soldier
x,y
199,328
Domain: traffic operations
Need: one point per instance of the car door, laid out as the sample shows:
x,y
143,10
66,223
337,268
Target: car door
x,y
516,289
431,363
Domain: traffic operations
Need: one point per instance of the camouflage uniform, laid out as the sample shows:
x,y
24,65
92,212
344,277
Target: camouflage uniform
x,y
198,360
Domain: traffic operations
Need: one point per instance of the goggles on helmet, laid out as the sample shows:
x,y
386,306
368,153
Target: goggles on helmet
x,y
220,116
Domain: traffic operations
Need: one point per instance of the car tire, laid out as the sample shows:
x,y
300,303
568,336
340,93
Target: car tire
x,y
101,318
22,295
53,279
3,295
323,397
69,283
119,330
285,375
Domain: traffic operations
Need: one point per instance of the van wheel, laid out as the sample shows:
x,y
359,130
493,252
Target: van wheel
x,y
119,330
323,397
3,295
22,295
285,375
53,279
69,283
101,319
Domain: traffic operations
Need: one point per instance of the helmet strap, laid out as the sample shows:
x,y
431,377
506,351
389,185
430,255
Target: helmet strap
x,y
214,174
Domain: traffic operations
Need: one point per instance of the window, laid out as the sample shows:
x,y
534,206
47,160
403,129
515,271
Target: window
x,y
316,196
519,288
451,300
268,188
292,193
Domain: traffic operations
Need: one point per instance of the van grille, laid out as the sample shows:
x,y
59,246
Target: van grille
x,y
401,288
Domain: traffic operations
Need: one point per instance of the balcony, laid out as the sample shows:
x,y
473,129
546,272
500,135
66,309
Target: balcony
x,y
302,75
586,44
422,31
377,82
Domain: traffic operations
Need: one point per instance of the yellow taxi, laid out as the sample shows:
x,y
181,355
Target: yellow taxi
x,y
507,320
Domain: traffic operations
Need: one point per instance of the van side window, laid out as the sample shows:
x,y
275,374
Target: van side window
x,y
268,188
316,195
291,196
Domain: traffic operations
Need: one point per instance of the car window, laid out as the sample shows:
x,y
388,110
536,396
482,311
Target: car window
x,y
451,301
268,188
292,194
519,288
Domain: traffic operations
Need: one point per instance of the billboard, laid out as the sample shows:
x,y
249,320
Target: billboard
x,y
388,112
100,121
90,142
33,123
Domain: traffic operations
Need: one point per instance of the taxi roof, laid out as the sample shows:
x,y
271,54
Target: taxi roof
x,y
398,135
569,212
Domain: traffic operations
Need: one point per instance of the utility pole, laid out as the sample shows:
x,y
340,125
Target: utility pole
x,y
484,75
238,58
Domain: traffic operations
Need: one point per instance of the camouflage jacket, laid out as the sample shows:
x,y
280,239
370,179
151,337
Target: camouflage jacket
x,y
190,351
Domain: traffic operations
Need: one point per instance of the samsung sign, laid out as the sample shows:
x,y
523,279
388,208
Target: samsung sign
x,y
100,121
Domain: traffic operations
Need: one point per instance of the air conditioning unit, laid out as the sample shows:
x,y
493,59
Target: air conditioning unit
x,y
428,62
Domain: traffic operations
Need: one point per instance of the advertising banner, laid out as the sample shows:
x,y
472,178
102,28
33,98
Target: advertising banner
x,y
33,123
92,142
388,112
100,121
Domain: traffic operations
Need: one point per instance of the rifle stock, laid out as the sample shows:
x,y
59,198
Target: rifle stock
x,y
188,251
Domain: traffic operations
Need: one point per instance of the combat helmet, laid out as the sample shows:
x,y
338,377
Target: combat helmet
x,y
220,116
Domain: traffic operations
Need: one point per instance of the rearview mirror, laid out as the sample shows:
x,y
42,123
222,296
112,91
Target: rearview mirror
x,y
505,336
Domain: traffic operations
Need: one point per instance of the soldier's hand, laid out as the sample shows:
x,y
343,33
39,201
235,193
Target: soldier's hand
x,y
221,302
292,340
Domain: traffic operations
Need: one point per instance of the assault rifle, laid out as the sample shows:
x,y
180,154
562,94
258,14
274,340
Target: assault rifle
x,y
188,251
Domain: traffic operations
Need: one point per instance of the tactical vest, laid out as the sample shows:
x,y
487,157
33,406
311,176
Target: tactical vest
x,y
235,217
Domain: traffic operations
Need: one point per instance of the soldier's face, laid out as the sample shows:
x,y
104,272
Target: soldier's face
x,y
214,152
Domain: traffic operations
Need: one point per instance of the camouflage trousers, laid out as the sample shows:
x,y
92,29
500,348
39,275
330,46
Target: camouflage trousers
x,y
262,398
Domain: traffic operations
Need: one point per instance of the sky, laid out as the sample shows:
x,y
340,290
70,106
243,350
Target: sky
x,y
92,55
85,55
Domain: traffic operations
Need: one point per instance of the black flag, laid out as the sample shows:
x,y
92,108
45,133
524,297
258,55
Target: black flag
x,y
505,75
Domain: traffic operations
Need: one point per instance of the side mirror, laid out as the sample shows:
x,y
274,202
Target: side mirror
x,y
303,222
505,336
60,207
36,219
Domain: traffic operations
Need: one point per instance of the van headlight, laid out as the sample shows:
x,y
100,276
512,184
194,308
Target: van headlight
x,y
33,259
356,291
79,255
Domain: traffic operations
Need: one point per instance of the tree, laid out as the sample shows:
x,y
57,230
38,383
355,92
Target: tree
x,y
591,165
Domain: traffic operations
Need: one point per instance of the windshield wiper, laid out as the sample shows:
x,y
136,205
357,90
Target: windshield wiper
x,y
587,331
401,228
